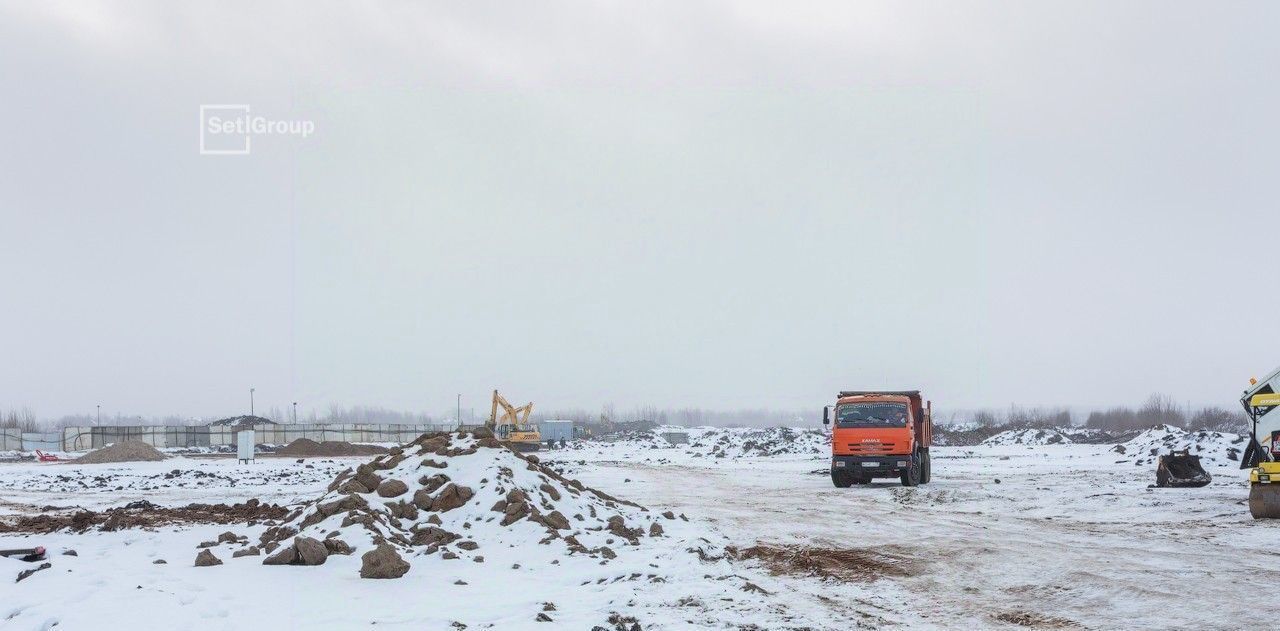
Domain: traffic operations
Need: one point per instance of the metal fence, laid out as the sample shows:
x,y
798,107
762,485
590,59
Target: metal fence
x,y
180,436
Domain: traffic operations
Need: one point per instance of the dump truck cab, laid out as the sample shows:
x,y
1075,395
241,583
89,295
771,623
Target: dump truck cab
x,y
879,434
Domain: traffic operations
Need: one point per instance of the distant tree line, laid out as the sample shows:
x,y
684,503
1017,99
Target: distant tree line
x,y
21,419
1162,410
1158,409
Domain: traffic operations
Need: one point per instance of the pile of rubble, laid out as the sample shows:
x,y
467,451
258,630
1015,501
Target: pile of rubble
x,y
450,495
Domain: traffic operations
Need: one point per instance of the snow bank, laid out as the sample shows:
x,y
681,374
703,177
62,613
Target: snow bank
x,y
1048,436
1029,437
737,442
1214,448
725,442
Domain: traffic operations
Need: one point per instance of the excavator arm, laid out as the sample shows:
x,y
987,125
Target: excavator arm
x,y
517,419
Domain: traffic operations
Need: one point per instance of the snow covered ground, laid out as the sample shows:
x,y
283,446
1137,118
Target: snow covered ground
x,y
1006,536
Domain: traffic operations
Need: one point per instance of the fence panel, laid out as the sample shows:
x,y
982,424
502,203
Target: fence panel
x,y
10,439
183,436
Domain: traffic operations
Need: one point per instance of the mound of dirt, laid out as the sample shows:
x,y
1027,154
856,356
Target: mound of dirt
x,y
308,447
142,514
458,494
127,451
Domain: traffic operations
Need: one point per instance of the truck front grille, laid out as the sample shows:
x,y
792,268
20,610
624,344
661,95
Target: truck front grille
x,y
871,448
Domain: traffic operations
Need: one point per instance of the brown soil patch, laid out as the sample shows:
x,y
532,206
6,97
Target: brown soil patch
x,y
1035,620
846,564
127,451
142,515
308,447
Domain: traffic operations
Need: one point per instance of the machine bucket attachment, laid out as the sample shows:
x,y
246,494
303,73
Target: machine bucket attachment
x,y
1180,469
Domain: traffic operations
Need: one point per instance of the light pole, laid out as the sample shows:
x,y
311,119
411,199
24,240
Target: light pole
x,y
295,412
459,410
251,401
99,421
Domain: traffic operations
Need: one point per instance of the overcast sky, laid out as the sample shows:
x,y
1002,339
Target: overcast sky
x,y
717,204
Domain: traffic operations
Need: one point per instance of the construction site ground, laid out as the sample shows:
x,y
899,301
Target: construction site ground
x,y
1053,536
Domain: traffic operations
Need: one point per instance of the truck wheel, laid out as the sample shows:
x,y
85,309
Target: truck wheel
x,y
841,480
926,469
911,477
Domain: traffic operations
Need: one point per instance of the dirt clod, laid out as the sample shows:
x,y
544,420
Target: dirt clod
x,y
383,562
392,488
206,559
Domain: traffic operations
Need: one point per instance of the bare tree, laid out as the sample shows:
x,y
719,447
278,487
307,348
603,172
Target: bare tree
x,y
22,419
1216,419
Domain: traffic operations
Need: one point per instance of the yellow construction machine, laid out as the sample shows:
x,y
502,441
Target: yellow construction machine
x,y
513,426
1262,454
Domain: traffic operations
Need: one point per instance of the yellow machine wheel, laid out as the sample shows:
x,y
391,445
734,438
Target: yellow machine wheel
x,y
1264,501
1264,491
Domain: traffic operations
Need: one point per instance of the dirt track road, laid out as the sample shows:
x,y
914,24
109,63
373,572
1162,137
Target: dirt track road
x,y
1067,539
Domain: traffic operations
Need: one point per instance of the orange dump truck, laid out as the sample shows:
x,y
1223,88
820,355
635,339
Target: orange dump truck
x,y
882,434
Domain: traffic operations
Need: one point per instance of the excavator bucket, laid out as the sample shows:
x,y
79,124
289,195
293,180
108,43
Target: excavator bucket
x,y
1180,469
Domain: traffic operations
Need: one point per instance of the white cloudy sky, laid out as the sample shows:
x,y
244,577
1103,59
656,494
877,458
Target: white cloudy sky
x,y
723,204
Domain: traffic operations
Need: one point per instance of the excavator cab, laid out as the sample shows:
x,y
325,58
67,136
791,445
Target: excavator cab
x,y
1262,454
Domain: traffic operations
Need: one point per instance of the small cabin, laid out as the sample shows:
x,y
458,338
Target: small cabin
x,y
675,437
556,430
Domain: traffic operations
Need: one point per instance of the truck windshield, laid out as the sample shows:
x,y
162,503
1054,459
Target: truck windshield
x,y
871,415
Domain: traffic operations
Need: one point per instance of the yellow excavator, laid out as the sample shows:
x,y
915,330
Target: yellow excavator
x,y
1262,454
513,427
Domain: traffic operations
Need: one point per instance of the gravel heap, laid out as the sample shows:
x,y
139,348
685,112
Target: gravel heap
x,y
127,451
454,495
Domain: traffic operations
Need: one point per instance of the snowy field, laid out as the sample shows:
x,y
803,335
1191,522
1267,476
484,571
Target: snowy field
x,y
1006,536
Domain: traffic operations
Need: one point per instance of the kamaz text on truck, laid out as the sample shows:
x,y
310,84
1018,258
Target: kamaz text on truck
x,y
882,434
